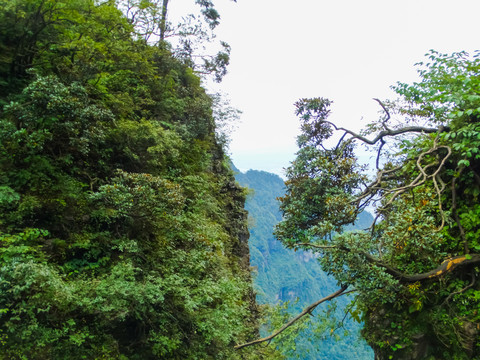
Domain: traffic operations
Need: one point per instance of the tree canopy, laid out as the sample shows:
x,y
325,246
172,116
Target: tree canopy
x,y
415,270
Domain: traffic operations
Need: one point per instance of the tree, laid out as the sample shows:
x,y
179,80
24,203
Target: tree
x,y
414,270
187,38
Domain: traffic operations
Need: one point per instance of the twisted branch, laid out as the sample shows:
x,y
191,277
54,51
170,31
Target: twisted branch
x,y
388,132
445,267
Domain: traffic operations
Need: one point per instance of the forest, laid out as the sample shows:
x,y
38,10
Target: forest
x,y
123,232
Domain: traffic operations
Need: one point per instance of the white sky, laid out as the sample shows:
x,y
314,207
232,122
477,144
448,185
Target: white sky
x,y
349,51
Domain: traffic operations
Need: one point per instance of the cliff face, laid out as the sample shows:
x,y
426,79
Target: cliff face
x,y
122,231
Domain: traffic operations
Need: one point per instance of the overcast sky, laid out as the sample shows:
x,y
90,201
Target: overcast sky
x,y
348,51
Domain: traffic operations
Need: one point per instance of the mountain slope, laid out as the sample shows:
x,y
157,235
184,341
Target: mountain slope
x,y
285,275
122,230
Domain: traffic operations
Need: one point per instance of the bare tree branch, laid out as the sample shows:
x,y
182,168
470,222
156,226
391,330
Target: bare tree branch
x,y
455,214
307,310
316,246
382,175
377,161
445,267
423,177
384,122
389,132
474,279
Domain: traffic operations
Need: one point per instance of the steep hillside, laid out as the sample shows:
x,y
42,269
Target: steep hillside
x,y
285,275
122,231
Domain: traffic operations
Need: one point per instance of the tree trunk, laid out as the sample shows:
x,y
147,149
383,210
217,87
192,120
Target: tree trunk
x,y
163,21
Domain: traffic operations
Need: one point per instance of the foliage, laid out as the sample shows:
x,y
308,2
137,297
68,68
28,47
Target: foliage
x,y
415,269
122,232
188,39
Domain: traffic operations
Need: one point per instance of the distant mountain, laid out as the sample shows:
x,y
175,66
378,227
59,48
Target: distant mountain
x,y
285,275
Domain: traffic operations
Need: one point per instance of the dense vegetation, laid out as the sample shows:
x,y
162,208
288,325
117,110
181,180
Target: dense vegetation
x,y
283,276
122,231
415,271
